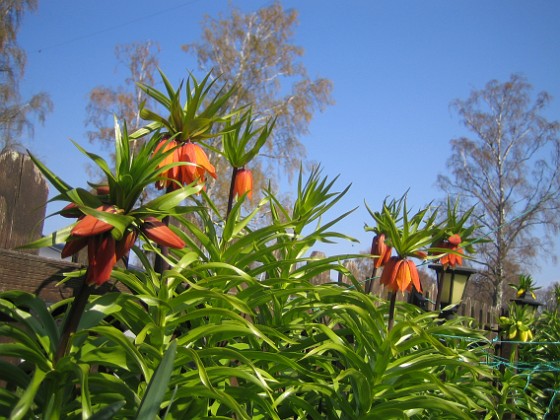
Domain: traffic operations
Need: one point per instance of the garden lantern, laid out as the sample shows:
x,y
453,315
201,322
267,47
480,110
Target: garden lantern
x,y
451,282
527,301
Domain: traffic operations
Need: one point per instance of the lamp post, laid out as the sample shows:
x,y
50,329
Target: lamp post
x,y
527,301
451,282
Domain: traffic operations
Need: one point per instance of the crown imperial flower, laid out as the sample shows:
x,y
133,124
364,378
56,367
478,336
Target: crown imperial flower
x,y
381,250
158,232
169,175
194,154
243,183
400,274
455,257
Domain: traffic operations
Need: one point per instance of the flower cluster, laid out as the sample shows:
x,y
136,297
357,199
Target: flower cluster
x,y
416,236
401,274
100,237
454,256
396,230
195,168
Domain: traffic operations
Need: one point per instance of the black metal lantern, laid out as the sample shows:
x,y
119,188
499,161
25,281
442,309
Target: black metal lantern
x,y
528,301
452,282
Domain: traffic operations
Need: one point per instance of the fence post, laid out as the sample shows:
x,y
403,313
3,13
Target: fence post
x,y
23,197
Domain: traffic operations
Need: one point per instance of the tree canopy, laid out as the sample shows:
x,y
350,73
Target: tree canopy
x,y
509,168
15,112
141,61
255,52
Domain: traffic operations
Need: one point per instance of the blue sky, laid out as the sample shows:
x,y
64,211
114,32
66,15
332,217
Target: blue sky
x,y
395,65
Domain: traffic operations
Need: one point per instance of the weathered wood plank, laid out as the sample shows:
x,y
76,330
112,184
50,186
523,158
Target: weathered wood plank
x,y
23,197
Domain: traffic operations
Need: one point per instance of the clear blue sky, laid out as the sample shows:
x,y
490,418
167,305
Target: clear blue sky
x,y
395,65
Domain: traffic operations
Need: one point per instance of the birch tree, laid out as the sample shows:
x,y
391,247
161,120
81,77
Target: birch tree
x,y
140,59
509,168
255,51
16,113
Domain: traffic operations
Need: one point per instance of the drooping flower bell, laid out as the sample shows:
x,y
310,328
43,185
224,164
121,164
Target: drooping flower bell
x,y
381,250
453,258
101,258
104,251
243,183
176,176
158,232
169,175
400,274
193,153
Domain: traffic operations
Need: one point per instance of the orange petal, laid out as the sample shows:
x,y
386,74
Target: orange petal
x,y
101,258
388,269
102,190
454,240
202,160
170,174
387,255
90,225
415,277
379,249
123,246
73,246
403,277
420,254
193,153
158,232
456,259
71,210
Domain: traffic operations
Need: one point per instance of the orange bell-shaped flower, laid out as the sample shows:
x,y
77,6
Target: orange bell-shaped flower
x,y
381,250
158,232
123,246
243,183
172,174
101,259
194,154
453,258
73,246
400,274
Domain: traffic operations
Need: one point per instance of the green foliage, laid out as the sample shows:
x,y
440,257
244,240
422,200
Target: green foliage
x,y
540,361
526,285
236,327
242,142
406,234
191,121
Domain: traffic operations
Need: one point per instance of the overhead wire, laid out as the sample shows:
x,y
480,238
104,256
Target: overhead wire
x,y
114,27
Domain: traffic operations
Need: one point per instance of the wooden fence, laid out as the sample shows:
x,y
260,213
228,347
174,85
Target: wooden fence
x,y
37,275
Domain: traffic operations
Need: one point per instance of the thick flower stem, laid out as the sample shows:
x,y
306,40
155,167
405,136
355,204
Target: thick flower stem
x,y
231,189
369,282
73,319
392,311
439,291
159,263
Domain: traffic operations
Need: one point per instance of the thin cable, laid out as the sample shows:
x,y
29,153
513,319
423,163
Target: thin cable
x,y
112,28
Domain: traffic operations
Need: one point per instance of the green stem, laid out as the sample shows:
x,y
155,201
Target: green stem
x,y
369,282
231,189
73,319
159,263
392,311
